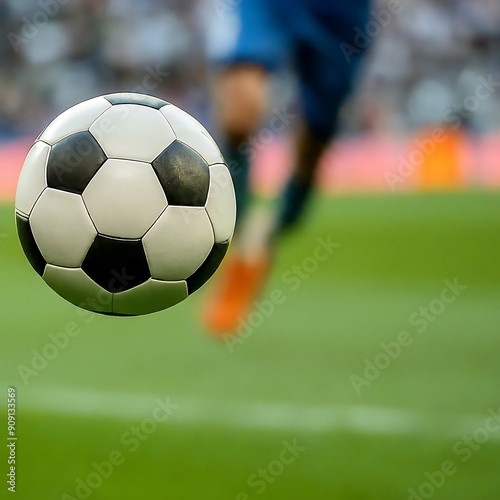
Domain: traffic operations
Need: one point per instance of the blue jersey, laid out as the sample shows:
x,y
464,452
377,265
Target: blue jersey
x,y
319,23
311,36
328,8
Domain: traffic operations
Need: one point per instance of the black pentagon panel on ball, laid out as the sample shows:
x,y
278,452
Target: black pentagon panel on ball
x,y
183,174
208,268
73,162
116,265
29,245
131,98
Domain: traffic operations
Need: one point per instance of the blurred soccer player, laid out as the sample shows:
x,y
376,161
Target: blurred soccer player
x,y
311,37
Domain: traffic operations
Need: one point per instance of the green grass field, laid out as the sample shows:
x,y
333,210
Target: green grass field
x,y
289,379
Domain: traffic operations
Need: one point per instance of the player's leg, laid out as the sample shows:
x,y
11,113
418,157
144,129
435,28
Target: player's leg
x,y
326,77
309,149
241,103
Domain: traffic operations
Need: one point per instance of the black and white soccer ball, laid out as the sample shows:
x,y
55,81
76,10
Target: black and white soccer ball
x,y
124,205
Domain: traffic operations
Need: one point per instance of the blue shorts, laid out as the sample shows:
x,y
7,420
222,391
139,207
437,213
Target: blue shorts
x,y
309,35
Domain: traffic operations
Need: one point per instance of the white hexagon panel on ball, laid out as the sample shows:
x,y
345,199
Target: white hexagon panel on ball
x,y
62,228
221,203
33,178
124,198
152,296
132,132
178,243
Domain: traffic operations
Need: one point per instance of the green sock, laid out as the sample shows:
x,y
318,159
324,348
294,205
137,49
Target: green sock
x,y
294,200
239,166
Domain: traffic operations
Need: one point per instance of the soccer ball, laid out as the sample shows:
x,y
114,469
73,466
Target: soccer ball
x,y
124,205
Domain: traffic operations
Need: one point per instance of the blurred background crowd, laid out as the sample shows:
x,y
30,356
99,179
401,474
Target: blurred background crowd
x,y
60,52
427,59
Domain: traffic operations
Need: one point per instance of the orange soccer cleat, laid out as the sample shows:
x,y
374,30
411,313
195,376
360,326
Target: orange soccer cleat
x,y
240,283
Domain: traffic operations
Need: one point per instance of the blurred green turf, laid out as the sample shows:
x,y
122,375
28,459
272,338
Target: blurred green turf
x,y
395,253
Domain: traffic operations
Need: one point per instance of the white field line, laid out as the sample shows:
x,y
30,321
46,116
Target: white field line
x,y
254,415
